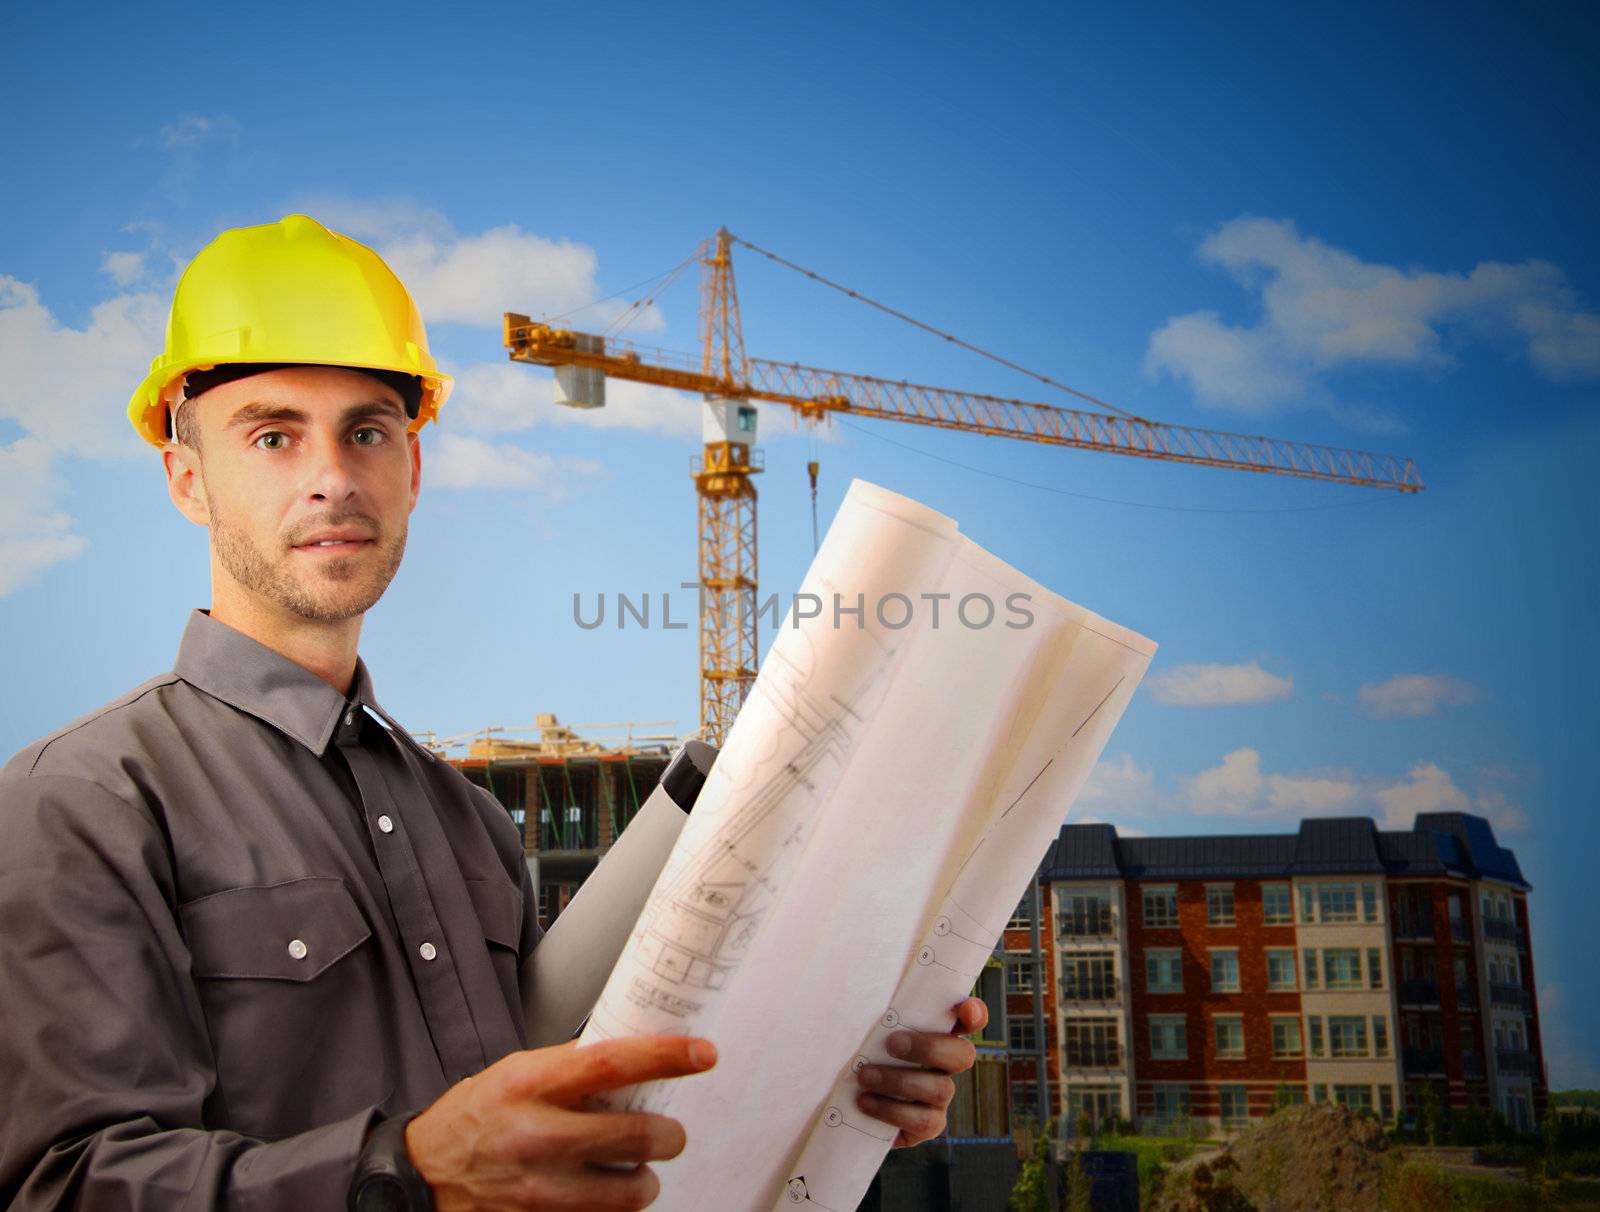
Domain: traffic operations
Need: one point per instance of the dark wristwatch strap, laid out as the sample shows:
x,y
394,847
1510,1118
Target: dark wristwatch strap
x,y
385,1180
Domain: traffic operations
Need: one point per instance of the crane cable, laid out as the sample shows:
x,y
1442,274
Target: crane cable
x,y
951,337
638,307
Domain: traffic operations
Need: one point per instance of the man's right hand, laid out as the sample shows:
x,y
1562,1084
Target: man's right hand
x,y
517,1135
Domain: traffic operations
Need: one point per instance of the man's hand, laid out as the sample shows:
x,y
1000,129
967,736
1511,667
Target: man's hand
x,y
914,1097
517,1136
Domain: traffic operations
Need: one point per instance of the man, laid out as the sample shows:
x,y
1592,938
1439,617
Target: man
x,y
260,949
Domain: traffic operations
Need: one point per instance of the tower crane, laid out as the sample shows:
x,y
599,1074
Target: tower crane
x,y
729,380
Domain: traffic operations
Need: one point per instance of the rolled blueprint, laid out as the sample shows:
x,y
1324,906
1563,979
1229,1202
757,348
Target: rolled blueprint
x,y
876,812
567,970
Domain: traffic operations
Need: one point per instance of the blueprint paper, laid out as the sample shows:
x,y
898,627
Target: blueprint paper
x,y
873,818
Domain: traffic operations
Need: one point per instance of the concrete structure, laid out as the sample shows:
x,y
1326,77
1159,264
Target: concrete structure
x,y
1205,978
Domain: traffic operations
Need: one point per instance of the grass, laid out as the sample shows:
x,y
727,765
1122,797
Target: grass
x,y
1413,1186
1154,1153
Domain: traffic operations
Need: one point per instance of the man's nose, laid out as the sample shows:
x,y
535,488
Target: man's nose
x,y
331,471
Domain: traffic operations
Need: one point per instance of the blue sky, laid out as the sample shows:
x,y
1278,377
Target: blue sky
x,y
1366,227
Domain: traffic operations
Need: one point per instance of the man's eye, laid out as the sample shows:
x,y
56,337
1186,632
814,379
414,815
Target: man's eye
x,y
367,435
272,441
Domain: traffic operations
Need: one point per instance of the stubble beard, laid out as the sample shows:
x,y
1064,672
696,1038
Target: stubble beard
x,y
346,586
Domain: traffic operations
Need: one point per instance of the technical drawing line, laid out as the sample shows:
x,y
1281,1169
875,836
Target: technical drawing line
x,y
1099,705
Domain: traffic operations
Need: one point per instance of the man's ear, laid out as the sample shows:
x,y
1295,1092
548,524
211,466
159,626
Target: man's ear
x,y
415,442
185,485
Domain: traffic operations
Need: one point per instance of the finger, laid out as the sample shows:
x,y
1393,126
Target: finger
x,y
915,1121
568,1074
587,1188
946,1053
632,1137
911,1085
972,1016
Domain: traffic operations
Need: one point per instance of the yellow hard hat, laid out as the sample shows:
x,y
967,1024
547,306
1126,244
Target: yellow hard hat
x,y
288,292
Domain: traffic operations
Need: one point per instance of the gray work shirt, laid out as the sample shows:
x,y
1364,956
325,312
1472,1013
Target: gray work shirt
x,y
241,919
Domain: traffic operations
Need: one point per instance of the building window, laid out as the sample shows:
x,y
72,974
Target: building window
x,y
1319,1093
1369,902
1225,970
1380,1035
1088,976
1025,1100
1084,915
1169,1037
1341,967
1357,1098
1161,907
1235,1105
1228,1030
1308,902
1286,1037
1092,1043
1280,968
1219,904
1277,906
1020,1033
1314,1028
1386,1103
1022,976
1172,1109
1022,915
1336,902
1311,967
1347,1035
1163,971
1290,1096
1374,968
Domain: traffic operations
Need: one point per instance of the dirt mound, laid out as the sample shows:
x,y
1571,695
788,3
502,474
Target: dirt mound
x,y
1302,1159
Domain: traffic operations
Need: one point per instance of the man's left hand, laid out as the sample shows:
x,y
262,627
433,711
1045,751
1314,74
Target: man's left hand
x,y
913,1097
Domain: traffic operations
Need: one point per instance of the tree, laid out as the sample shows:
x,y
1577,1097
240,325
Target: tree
x,y
1031,1193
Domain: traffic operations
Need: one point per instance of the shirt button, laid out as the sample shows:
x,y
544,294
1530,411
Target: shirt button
x,y
427,951
385,824
297,949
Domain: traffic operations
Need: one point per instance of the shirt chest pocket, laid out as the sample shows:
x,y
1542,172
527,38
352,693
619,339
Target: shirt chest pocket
x,y
289,932
291,1005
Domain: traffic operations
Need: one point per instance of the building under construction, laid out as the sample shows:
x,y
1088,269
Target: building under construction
x,y
570,794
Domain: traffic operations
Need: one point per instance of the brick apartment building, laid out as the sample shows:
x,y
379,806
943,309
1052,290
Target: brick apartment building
x,y
1201,978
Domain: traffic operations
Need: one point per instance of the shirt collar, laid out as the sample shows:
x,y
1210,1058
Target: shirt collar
x,y
246,674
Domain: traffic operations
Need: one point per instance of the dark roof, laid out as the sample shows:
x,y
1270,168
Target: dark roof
x,y
1439,843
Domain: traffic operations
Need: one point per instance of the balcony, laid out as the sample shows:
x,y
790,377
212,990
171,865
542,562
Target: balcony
x,y
1093,1056
1080,992
1086,923
1466,997
1460,930
1413,927
1423,1061
1501,930
1514,1062
1419,992
1511,997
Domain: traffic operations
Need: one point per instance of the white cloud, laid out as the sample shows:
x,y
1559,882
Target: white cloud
x,y
33,533
1237,787
1429,788
70,387
475,279
505,397
1325,309
124,268
1412,695
455,461
195,130
1119,784
1218,685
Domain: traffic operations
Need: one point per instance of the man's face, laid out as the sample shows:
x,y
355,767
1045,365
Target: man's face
x,y
306,477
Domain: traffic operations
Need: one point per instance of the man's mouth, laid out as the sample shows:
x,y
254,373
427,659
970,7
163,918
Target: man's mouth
x,y
335,543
